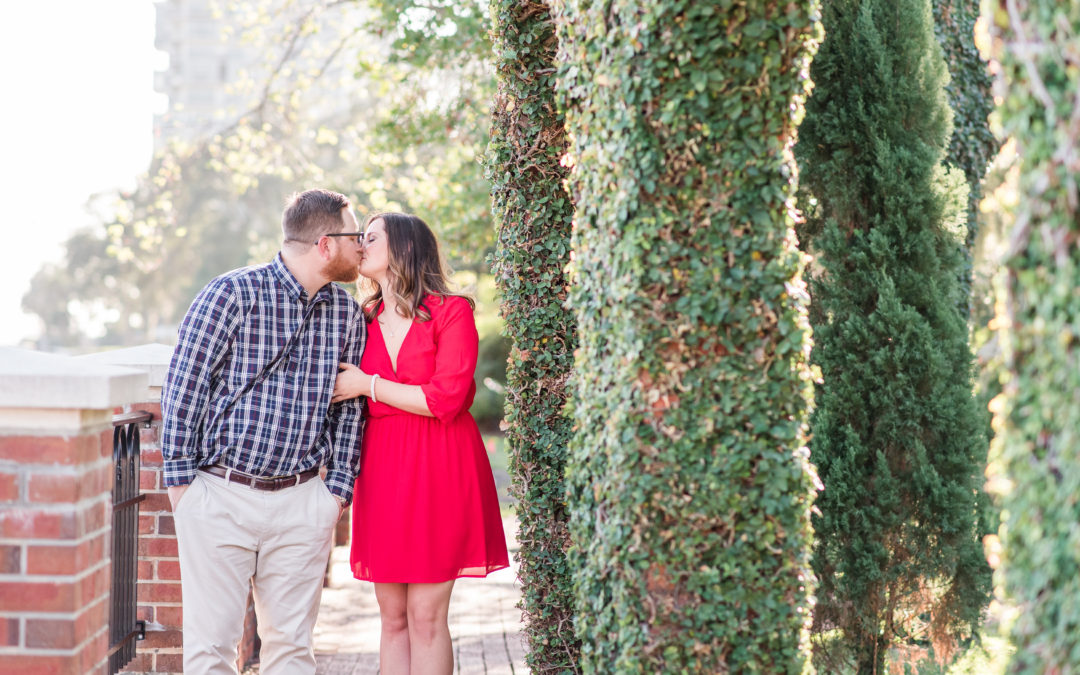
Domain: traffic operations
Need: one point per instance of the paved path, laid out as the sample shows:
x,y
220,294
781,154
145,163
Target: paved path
x,y
485,624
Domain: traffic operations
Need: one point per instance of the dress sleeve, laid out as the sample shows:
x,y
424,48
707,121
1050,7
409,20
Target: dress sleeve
x,y
451,388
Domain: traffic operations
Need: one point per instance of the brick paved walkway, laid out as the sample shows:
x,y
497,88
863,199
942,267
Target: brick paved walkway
x,y
485,624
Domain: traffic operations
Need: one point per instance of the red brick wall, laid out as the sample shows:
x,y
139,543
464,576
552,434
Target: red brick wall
x,y
159,596
55,506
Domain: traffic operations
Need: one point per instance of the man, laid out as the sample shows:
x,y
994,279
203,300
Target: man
x,y
247,425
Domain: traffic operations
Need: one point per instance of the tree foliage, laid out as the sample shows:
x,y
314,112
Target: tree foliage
x,y
385,100
1035,455
689,484
433,82
896,434
534,214
136,272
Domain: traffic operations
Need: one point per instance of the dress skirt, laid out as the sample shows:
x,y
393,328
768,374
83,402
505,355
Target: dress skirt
x,y
425,507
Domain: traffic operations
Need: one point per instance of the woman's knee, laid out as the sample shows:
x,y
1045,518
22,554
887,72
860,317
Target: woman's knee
x,y
427,616
394,621
393,610
424,628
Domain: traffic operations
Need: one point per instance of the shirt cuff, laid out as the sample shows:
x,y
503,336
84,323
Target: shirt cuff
x,y
179,471
340,484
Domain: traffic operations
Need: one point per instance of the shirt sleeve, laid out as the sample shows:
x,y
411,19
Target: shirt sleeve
x,y
347,420
203,342
451,388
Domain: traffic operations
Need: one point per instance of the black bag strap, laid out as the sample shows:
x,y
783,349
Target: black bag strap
x,y
268,368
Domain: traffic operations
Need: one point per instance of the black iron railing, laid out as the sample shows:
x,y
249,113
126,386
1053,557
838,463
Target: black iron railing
x,y
124,625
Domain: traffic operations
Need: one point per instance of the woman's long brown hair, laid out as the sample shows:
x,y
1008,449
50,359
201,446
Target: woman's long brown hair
x,y
415,267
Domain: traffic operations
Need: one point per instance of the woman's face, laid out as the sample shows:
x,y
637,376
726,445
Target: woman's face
x,y
375,258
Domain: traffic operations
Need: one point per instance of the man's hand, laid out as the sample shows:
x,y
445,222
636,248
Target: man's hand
x,y
175,493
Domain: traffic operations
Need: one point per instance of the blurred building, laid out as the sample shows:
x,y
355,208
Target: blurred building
x,y
203,79
220,54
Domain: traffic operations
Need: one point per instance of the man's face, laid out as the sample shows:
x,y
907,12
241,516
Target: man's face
x,y
344,263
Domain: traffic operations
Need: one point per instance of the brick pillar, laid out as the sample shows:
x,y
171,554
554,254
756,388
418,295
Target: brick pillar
x,y
55,510
159,596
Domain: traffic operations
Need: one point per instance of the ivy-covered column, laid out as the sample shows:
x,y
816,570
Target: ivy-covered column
x,y
533,212
689,482
1035,457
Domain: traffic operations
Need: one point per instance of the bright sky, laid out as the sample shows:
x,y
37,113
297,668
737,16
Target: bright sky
x,y
76,118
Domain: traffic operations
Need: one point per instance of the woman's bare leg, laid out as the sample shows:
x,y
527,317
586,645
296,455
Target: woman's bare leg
x,y
429,630
394,636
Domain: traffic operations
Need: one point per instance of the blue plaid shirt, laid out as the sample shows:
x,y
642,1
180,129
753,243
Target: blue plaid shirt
x,y
284,424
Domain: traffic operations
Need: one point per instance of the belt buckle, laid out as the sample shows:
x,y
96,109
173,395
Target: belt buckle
x,y
281,482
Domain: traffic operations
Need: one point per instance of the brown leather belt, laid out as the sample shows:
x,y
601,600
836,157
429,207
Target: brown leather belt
x,y
270,484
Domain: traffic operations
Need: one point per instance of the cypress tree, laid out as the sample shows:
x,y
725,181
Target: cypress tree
x,y
1036,453
896,434
533,212
689,484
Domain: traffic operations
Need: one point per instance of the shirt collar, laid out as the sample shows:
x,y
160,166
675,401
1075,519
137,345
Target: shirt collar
x,y
285,277
293,287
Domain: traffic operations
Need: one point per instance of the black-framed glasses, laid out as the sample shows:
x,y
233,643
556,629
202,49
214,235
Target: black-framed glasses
x,y
357,236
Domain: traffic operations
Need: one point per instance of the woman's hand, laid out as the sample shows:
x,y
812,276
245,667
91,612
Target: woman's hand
x,y
350,383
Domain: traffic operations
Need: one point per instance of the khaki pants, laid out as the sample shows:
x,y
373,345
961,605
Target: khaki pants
x,y
233,538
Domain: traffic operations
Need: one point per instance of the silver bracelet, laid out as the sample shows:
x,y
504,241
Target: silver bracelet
x,y
374,377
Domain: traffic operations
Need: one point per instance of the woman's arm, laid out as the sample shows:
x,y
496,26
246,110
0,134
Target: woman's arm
x,y
450,389
352,382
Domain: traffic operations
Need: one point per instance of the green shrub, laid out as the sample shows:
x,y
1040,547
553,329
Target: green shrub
x,y
971,148
487,407
972,145
689,485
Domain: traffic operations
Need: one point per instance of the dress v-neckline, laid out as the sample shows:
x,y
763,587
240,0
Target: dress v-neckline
x,y
386,347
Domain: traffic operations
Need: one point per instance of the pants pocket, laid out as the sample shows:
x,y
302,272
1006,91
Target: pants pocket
x,y
190,494
328,497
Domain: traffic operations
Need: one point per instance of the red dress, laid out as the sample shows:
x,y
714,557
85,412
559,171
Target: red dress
x,y
425,509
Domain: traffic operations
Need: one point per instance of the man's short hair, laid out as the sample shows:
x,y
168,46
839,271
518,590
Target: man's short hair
x,y
310,214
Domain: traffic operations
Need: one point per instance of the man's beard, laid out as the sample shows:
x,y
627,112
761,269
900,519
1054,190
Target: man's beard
x,y
339,269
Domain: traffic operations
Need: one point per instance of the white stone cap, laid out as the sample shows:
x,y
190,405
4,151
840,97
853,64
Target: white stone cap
x,y
153,359
30,379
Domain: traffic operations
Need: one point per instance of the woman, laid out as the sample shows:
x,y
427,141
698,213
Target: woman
x,y
425,509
